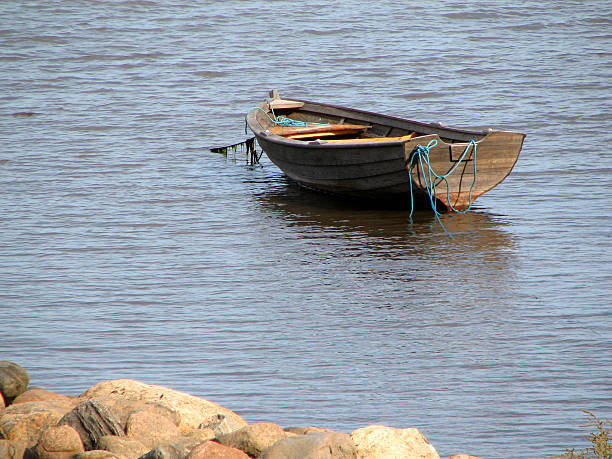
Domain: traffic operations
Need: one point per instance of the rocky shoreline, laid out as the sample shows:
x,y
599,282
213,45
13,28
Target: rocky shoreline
x,y
128,419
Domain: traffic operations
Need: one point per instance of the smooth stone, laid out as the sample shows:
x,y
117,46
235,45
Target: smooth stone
x,y
316,445
122,446
36,394
151,429
254,439
59,442
193,411
14,380
382,442
25,422
214,450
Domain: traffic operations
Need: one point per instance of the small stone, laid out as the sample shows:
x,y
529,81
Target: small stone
x,y
214,450
59,442
14,380
151,429
254,439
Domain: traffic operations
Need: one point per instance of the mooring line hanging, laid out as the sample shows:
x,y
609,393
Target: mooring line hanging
x,y
421,154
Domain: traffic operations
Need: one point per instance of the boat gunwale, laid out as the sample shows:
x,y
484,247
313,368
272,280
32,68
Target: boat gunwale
x,y
260,131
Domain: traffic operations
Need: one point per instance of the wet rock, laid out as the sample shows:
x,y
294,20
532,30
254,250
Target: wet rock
x,y
254,439
317,445
193,411
381,442
214,450
92,420
58,442
122,446
11,450
25,422
36,394
14,380
151,429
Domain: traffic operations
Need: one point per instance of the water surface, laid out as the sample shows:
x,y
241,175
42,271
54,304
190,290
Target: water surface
x,y
129,250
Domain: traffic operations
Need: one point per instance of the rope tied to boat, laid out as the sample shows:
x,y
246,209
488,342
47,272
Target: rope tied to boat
x,y
285,121
420,157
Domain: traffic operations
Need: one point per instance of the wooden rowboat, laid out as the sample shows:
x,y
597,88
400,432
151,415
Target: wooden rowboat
x,y
370,156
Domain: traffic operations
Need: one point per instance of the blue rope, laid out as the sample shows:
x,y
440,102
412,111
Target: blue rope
x,y
430,177
284,121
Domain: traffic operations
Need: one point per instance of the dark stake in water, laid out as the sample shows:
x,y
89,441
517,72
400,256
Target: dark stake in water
x,y
129,250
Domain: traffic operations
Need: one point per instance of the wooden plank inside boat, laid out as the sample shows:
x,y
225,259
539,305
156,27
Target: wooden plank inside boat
x,y
375,139
309,132
280,104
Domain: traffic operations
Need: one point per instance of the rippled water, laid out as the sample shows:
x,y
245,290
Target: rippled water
x,y
128,249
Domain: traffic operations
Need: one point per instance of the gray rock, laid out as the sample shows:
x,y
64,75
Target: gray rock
x,y
14,380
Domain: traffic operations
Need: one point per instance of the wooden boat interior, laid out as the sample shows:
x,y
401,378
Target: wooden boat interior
x,y
336,125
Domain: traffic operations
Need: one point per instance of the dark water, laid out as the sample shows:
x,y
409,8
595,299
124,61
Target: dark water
x,y
128,249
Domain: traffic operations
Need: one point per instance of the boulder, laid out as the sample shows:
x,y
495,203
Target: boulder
x,y
25,422
14,380
11,450
193,411
2,404
128,448
36,394
151,429
214,450
92,420
316,445
123,408
254,439
381,442
58,442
